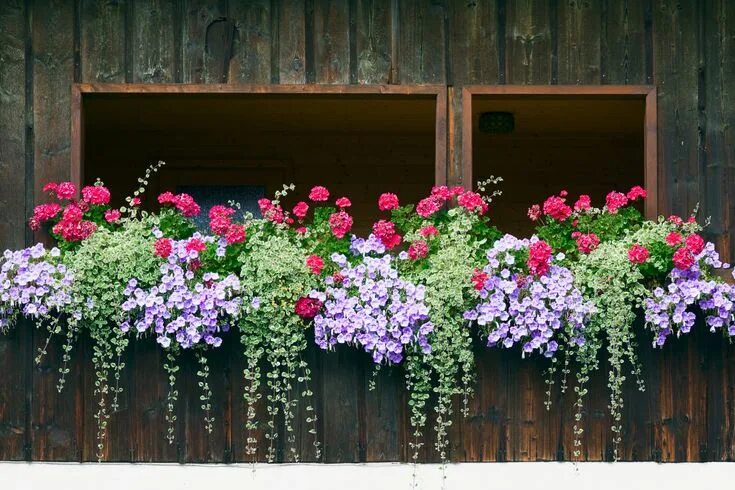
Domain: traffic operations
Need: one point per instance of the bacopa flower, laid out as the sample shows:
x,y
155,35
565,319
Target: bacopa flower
x,y
418,250
163,247
315,264
614,201
235,234
319,194
112,215
428,206
673,239
638,254
683,258
387,201
636,192
695,244
300,209
584,203
472,201
587,242
65,190
307,308
429,230
539,254
343,202
534,212
96,194
340,223
556,208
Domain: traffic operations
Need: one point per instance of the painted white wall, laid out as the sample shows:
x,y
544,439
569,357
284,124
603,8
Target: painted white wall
x,y
374,476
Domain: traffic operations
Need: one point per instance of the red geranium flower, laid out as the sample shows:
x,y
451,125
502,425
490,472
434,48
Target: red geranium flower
x,y
315,263
638,254
587,242
478,279
636,192
534,212
300,209
65,190
557,208
163,247
695,244
428,231
539,254
428,206
387,201
235,234
112,215
614,201
343,202
96,194
307,308
340,223
418,250
583,203
673,239
683,258
195,245
472,201
319,194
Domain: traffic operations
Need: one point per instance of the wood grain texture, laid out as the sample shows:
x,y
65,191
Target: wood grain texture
x,y
331,39
623,42
374,41
292,41
56,418
152,32
254,37
204,63
103,40
422,50
14,347
528,42
579,42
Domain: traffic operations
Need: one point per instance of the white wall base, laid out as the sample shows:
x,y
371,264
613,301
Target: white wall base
x,y
374,476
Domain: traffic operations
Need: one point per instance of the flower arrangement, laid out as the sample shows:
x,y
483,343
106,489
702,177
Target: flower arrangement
x,y
414,295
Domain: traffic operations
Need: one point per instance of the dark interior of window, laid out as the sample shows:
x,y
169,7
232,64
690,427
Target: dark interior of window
x,y
243,146
543,144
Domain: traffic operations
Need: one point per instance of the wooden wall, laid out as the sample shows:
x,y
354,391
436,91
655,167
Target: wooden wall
x,y
684,47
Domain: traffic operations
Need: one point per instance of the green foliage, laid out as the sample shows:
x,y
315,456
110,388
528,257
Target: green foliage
x,y
273,269
102,265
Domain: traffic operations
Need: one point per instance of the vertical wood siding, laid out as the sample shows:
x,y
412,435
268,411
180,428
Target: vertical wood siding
x,y
685,47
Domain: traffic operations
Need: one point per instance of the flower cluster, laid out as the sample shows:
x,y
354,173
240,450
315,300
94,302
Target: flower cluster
x,y
369,305
183,202
183,306
33,283
536,311
669,309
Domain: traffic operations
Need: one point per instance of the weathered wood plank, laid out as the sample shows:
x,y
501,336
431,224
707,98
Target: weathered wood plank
x,y
528,41
474,42
719,136
153,30
55,418
623,42
579,42
422,50
199,17
340,388
251,61
374,41
676,55
331,41
103,41
15,346
292,41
